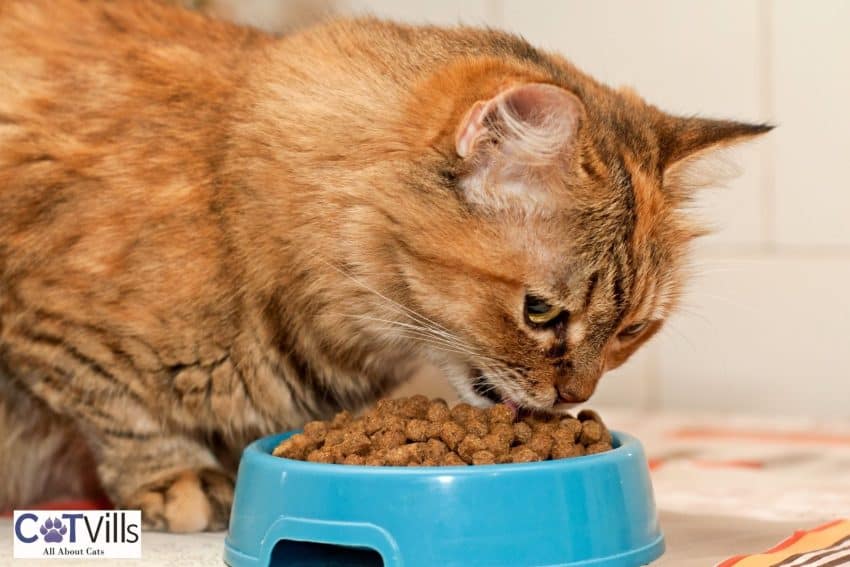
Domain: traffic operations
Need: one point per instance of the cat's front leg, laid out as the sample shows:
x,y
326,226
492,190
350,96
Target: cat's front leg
x,y
174,480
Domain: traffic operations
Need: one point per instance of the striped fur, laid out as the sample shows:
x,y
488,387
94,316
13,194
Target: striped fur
x,y
209,234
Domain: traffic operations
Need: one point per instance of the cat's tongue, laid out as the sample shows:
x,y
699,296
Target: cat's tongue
x,y
514,407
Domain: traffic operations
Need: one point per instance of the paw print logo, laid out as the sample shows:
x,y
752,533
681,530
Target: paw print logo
x,y
52,530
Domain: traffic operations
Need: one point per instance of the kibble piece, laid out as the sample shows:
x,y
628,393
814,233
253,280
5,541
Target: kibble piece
x,y
316,430
419,451
435,449
354,460
500,413
419,405
524,455
410,409
334,437
545,427
505,458
417,429
376,459
387,406
452,434
483,458
522,432
434,429
591,432
451,459
355,443
477,426
470,445
321,456
598,448
389,439
564,448
461,412
400,456
438,411
572,426
504,432
296,447
496,444
393,423
372,422
341,419
541,443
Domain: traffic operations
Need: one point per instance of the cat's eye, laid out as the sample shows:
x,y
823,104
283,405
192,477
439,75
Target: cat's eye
x,y
540,312
633,330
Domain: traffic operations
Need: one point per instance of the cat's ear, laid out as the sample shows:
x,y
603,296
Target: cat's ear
x,y
517,135
535,121
684,137
691,149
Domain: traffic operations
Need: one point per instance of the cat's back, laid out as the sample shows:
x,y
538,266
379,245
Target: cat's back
x,y
99,72
111,117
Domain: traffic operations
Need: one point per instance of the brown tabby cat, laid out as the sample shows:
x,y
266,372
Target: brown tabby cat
x,y
209,234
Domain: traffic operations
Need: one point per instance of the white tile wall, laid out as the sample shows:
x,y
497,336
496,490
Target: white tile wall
x,y
766,334
811,87
765,329
446,12
630,385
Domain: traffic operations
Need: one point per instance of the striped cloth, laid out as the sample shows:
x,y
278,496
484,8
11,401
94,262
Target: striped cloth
x,y
824,546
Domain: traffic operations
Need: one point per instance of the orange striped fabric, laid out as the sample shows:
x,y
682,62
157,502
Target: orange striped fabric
x,y
824,546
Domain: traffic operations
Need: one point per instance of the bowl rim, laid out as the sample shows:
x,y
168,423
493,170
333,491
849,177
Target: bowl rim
x,y
625,447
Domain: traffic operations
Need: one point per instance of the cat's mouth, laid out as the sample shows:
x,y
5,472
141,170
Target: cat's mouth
x,y
487,390
484,388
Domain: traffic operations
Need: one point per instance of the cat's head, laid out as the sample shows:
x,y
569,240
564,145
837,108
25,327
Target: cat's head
x,y
563,245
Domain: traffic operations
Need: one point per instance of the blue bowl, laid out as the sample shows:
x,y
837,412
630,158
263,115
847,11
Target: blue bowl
x,y
595,510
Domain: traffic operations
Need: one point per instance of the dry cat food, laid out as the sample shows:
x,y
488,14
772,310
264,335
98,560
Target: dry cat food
x,y
417,431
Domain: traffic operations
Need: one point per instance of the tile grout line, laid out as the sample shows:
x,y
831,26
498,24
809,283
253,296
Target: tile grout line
x,y
768,110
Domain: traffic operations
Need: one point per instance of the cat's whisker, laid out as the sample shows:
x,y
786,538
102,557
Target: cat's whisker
x,y
421,332
435,345
398,323
722,299
452,342
498,372
691,312
681,335
409,311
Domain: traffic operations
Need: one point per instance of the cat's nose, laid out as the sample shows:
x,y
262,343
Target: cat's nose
x,y
575,391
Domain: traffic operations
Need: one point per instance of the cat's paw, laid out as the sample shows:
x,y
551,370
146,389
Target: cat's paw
x,y
192,501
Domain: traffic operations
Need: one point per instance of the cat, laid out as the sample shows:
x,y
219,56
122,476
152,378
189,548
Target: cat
x,y
209,234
